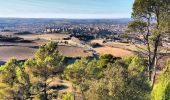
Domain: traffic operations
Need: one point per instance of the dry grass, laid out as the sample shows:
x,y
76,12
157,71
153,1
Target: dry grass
x,y
71,51
100,41
114,51
135,47
126,46
58,82
56,36
44,36
163,61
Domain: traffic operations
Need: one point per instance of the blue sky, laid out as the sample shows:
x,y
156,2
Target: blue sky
x,y
66,8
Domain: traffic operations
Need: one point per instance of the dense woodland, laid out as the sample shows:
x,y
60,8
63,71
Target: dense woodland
x,y
106,78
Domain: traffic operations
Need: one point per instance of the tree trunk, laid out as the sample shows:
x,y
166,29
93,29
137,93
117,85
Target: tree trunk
x,y
82,92
149,49
74,92
154,60
45,92
149,65
156,45
154,74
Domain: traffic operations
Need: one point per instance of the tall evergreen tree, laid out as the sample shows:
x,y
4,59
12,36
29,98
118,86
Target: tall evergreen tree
x,y
48,62
156,15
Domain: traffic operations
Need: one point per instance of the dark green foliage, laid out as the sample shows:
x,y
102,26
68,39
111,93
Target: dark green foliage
x,y
137,26
118,81
125,36
105,60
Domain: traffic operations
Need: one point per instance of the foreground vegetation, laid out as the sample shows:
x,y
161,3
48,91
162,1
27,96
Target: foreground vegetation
x,y
106,78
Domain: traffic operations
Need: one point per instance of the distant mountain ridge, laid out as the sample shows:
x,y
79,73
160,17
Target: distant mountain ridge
x,y
16,21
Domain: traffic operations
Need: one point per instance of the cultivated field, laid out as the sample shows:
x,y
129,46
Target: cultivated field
x,y
72,51
114,51
21,53
24,51
124,46
44,36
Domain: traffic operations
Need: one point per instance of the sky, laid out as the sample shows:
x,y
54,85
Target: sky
x,y
78,9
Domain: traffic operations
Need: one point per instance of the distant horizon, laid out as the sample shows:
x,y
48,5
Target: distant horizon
x,y
72,9
63,18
